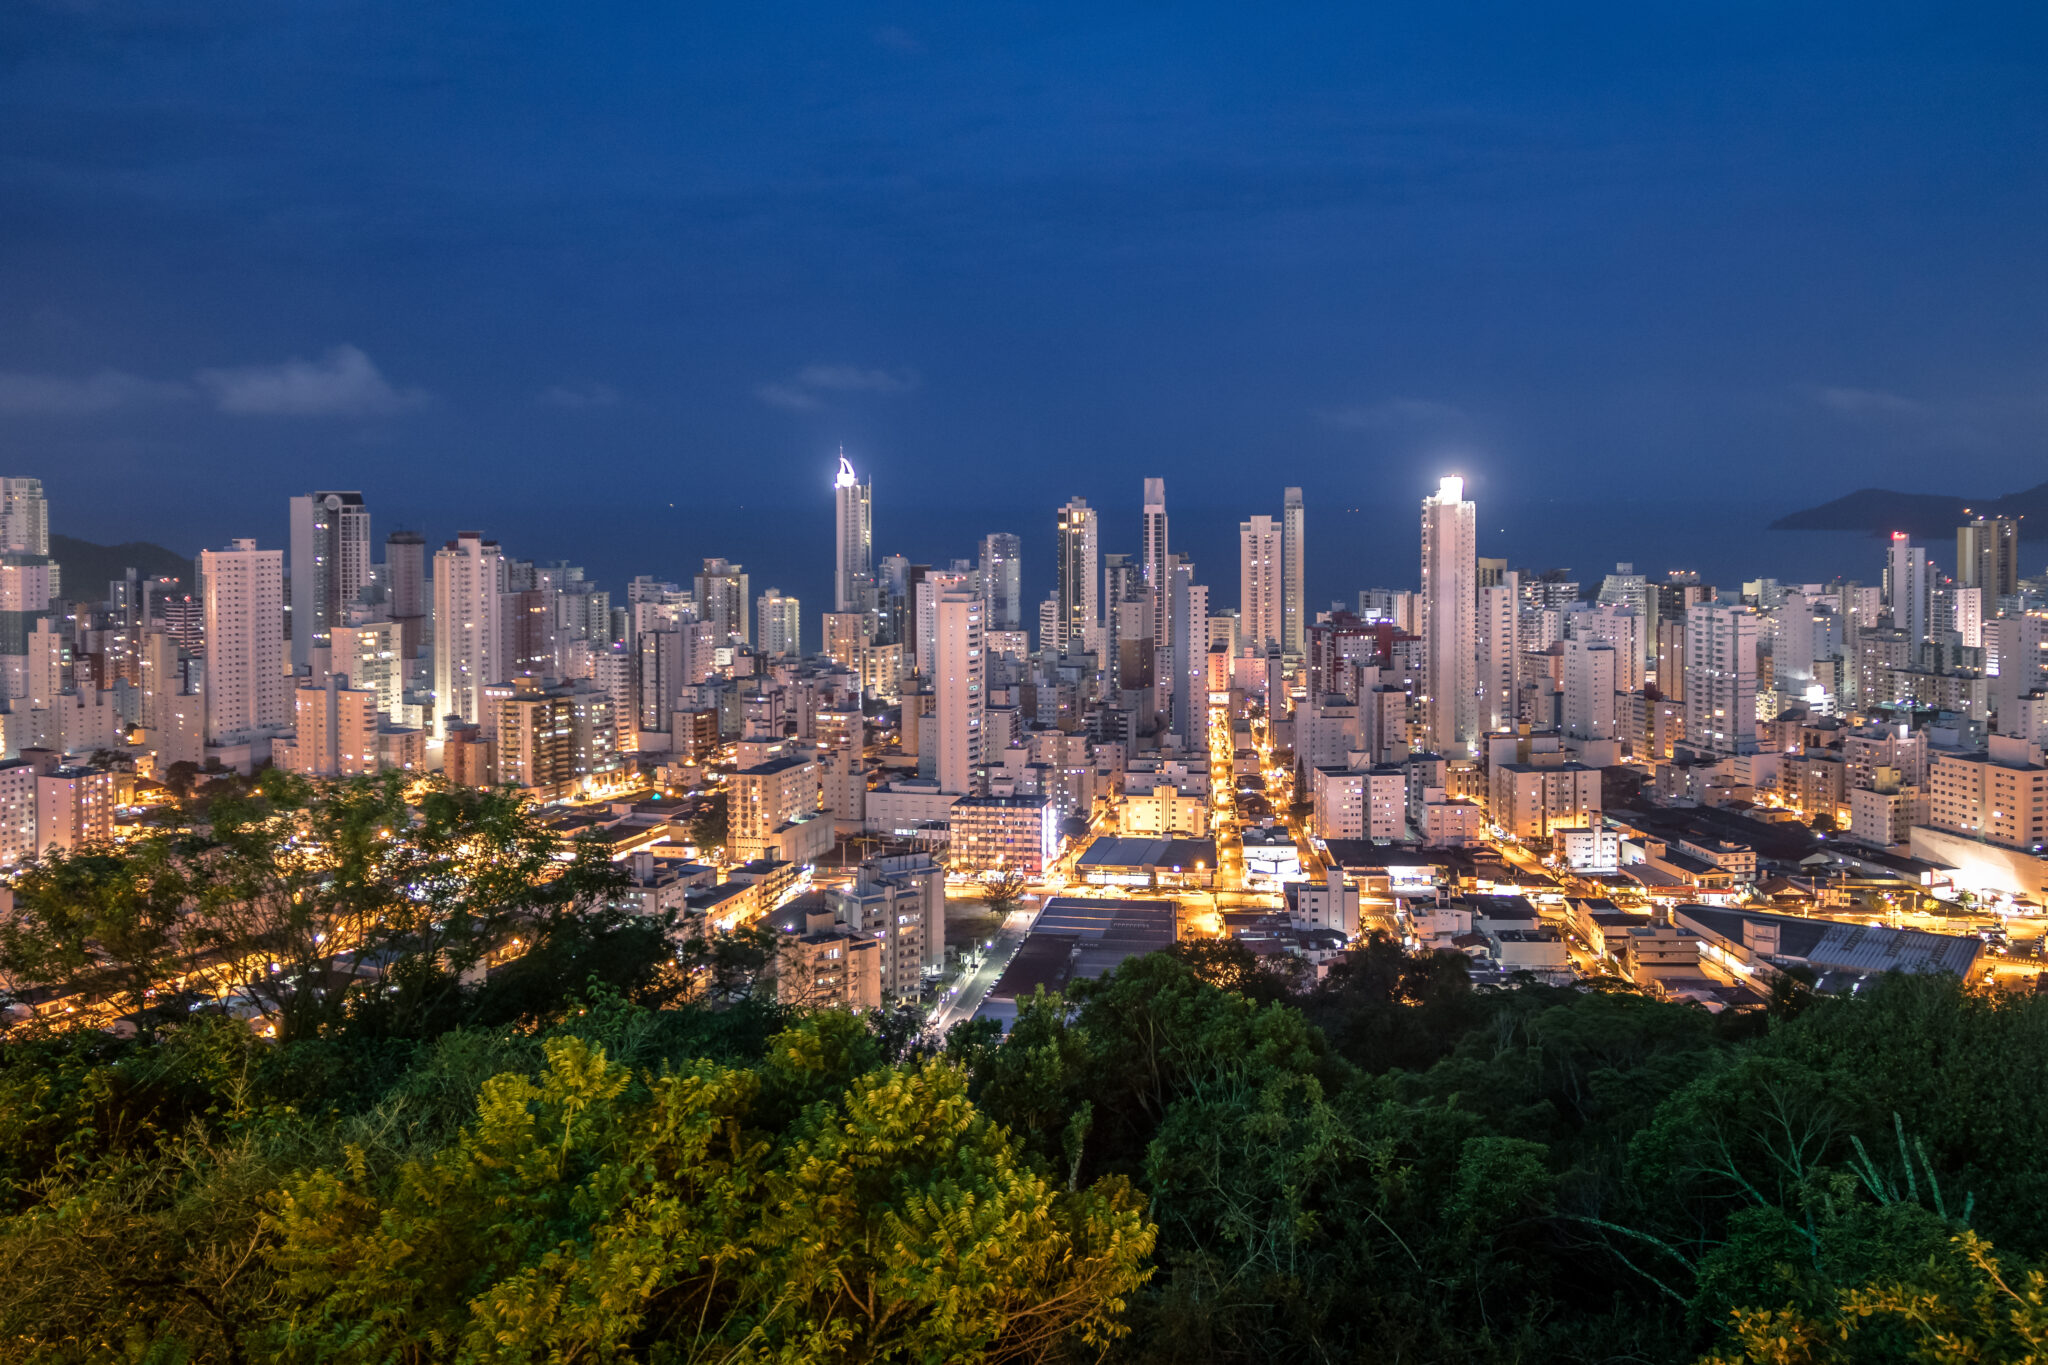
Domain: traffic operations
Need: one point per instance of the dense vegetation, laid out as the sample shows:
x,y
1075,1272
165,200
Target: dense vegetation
x,y
1184,1161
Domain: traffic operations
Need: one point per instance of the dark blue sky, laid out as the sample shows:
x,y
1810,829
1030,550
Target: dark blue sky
x,y
536,267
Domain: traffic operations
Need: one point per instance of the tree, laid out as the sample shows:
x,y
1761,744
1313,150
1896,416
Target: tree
x,y
1002,889
810,1208
102,922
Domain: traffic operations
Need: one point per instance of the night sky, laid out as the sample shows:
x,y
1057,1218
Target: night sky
x,y
1648,274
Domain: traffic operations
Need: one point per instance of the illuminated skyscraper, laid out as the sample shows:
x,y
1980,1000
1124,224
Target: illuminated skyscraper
x,y
1002,581
854,574
1720,678
330,566
1448,607
1153,562
1260,557
780,629
959,682
1906,584
1294,621
247,696
1080,584
469,627
1988,557
24,517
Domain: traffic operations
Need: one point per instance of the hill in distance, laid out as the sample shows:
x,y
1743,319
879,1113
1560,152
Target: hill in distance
x,y
85,568
1924,516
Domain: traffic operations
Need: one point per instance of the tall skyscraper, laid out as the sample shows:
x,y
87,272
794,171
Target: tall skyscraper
x,y
780,625
405,573
1080,583
1002,580
1500,652
1188,602
247,693
722,600
1906,585
24,517
853,587
330,565
1293,611
1448,604
1988,557
469,622
1153,561
1720,678
1260,559
959,685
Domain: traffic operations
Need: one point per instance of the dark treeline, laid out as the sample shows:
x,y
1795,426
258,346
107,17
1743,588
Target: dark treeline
x,y
599,1156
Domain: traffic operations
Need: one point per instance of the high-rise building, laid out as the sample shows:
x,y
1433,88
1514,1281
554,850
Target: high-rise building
x,y
779,624
1294,620
1080,587
1153,562
247,692
337,729
722,601
1260,561
469,623
1720,678
853,587
1002,580
330,566
1500,652
1448,605
405,574
24,517
959,682
1189,605
368,655
27,592
1988,558
1906,585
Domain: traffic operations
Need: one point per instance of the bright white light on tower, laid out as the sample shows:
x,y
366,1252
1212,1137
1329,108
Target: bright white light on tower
x,y
1451,488
846,477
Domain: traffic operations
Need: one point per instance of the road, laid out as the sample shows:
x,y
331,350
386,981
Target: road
x,y
969,994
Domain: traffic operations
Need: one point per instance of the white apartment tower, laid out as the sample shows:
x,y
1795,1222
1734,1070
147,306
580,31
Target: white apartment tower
x,y
1080,587
779,625
469,641
24,517
1906,584
1448,604
1153,566
242,596
330,566
959,685
722,600
853,586
1500,652
1293,613
1720,678
1260,561
1002,581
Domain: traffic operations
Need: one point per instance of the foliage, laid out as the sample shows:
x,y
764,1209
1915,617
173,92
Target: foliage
x,y
1001,889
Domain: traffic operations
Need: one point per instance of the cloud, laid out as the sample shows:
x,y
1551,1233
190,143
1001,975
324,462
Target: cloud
x,y
344,383
58,395
1396,414
579,396
1863,404
808,387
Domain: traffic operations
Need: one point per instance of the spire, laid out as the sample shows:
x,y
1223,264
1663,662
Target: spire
x,y
846,475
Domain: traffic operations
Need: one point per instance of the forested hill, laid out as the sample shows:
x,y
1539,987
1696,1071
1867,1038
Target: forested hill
x,y
88,568
1924,516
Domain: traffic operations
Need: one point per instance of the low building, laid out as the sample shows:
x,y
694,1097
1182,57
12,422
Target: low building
x,y
1333,903
1079,938
823,964
1019,833
1166,811
1112,860
74,806
1531,799
1581,848
1759,946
